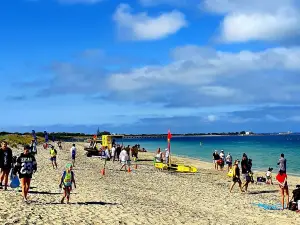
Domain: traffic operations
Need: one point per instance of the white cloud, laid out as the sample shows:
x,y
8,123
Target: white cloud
x,y
222,78
267,20
150,3
141,26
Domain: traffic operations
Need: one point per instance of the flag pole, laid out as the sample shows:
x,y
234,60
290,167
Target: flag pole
x,y
169,146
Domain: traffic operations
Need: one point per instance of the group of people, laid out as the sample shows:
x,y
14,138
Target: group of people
x,y
247,177
162,156
219,160
25,165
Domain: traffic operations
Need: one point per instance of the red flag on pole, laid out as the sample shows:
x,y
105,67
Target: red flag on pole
x,y
169,135
169,145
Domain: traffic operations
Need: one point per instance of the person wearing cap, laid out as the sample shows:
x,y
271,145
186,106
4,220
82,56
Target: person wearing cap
x,y
216,157
25,166
222,157
236,175
5,163
66,181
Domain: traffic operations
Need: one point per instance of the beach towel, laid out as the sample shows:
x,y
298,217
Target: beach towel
x,y
268,206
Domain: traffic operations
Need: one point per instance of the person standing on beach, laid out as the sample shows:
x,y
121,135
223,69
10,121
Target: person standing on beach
x,y
282,164
283,186
216,157
167,154
33,147
236,176
245,171
25,166
124,159
229,161
73,154
6,159
118,151
53,154
66,181
113,153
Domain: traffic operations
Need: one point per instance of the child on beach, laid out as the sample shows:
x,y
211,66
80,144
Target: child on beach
x,y
26,165
53,154
269,176
66,181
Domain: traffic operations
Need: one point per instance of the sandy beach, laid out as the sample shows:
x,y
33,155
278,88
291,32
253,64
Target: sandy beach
x,y
143,196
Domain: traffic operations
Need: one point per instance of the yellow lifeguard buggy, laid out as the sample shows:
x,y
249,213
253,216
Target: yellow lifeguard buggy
x,y
109,140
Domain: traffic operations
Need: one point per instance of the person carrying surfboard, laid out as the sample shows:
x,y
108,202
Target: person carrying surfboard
x,y
66,182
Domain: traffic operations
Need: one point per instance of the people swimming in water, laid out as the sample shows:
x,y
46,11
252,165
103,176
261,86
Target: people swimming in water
x,y
53,154
66,182
25,166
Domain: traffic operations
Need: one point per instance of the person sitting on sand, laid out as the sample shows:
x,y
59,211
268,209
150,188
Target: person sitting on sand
x,y
66,181
236,175
216,157
25,166
283,186
229,161
124,158
6,159
53,154
269,176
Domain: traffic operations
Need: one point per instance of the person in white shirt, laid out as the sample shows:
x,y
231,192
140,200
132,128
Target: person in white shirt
x,y
113,152
269,176
222,156
73,154
167,154
158,156
229,161
124,159
107,154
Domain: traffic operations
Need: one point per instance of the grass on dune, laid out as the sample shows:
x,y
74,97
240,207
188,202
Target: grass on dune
x,y
14,139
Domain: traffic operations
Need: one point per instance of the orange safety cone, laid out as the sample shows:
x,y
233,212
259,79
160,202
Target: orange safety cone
x,y
136,166
103,172
129,170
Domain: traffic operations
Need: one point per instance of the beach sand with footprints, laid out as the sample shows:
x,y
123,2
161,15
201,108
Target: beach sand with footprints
x,y
143,196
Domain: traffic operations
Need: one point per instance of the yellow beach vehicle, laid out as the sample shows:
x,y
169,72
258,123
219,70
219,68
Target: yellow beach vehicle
x,y
109,140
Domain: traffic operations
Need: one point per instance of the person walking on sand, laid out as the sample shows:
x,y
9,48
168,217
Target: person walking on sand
x,y
236,176
124,159
73,154
246,169
53,154
113,153
66,181
33,149
216,157
25,166
6,159
229,161
283,186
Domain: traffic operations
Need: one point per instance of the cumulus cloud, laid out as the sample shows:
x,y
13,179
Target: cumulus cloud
x,y
221,78
141,26
269,20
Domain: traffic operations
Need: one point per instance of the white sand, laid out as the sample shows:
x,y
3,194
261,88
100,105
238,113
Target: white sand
x,y
144,196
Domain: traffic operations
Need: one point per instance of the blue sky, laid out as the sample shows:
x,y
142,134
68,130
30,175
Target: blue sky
x,y
144,66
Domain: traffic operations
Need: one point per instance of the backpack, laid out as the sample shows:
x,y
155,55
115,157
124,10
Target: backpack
x,y
296,194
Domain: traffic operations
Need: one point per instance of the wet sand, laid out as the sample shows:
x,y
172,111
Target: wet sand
x,y
143,196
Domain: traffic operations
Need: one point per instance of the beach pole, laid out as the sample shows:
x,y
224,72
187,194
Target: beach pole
x,y
169,146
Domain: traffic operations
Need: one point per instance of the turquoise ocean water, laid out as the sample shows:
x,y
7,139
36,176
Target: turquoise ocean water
x,y
263,150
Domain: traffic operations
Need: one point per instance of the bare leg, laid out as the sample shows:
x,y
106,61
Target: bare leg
x,y
6,174
232,186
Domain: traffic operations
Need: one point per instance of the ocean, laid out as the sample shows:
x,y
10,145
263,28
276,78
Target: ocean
x,y
263,150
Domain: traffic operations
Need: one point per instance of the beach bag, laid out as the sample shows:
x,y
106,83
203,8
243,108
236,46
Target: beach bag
x,y
14,181
292,206
220,162
230,173
296,194
261,179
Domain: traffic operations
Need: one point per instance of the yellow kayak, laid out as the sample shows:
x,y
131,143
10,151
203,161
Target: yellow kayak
x,y
176,167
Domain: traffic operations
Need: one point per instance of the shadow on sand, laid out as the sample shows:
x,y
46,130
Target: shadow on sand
x,y
262,192
80,203
45,192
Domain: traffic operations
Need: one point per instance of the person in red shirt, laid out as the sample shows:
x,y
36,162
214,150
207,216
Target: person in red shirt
x,y
283,185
